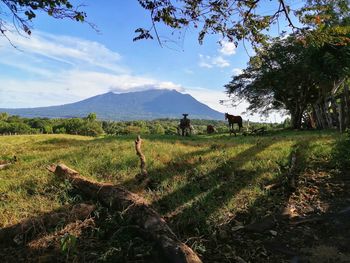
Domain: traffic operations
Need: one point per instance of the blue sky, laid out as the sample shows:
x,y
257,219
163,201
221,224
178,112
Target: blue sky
x,y
64,61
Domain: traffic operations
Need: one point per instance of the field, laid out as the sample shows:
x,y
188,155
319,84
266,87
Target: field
x,y
207,188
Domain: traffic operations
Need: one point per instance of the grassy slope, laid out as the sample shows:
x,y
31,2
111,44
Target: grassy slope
x,y
198,184
199,169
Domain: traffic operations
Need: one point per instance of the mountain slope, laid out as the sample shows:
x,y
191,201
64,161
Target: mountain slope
x,y
141,105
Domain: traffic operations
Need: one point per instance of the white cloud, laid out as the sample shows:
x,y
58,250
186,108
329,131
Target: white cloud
x,y
220,62
211,62
227,48
51,70
237,71
63,49
212,99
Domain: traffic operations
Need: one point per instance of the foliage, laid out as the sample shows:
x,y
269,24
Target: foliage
x,y
91,117
237,20
16,125
22,12
68,243
292,74
91,126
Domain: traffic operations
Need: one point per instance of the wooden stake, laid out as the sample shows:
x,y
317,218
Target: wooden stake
x,y
142,157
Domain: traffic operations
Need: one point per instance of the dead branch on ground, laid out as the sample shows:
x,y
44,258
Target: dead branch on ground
x,y
137,210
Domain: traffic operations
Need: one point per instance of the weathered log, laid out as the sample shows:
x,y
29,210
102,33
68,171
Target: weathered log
x,y
4,165
27,229
137,210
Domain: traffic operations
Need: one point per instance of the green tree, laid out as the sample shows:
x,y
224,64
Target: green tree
x,y
292,74
91,117
157,128
4,116
91,129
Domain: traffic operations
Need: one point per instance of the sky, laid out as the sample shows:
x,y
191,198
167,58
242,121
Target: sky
x,y
65,61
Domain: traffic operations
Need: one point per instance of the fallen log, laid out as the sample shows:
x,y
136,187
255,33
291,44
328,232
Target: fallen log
x,y
26,230
4,165
137,210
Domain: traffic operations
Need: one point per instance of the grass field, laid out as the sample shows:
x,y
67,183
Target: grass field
x,y
200,184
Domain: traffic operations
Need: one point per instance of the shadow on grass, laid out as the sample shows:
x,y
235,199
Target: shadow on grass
x,y
205,193
321,193
193,203
190,206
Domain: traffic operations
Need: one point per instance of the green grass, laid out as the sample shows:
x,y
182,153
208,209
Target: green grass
x,y
198,183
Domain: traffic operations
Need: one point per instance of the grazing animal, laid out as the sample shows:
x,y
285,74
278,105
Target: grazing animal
x,y
210,129
232,120
185,126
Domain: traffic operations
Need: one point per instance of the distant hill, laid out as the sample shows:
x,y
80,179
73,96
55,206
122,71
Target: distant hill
x,y
141,105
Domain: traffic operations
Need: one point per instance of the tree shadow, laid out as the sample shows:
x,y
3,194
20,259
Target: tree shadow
x,y
299,224
192,204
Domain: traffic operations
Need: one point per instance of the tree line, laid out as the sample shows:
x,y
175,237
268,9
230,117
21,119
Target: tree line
x,y
91,126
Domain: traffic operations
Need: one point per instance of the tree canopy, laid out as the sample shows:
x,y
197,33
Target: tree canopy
x,y
22,12
236,20
294,73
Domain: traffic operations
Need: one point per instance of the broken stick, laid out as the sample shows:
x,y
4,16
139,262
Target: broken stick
x,y
137,210
142,157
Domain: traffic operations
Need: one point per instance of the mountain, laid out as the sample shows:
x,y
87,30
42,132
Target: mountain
x,y
141,105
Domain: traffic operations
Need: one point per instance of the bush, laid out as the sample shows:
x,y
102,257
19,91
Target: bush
x,y
157,128
59,130
91,129
133,130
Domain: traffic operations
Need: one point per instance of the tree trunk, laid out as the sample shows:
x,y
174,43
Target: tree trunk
x,y
341,114
321,116
346,107
317,116
296,117
335,113
137,210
